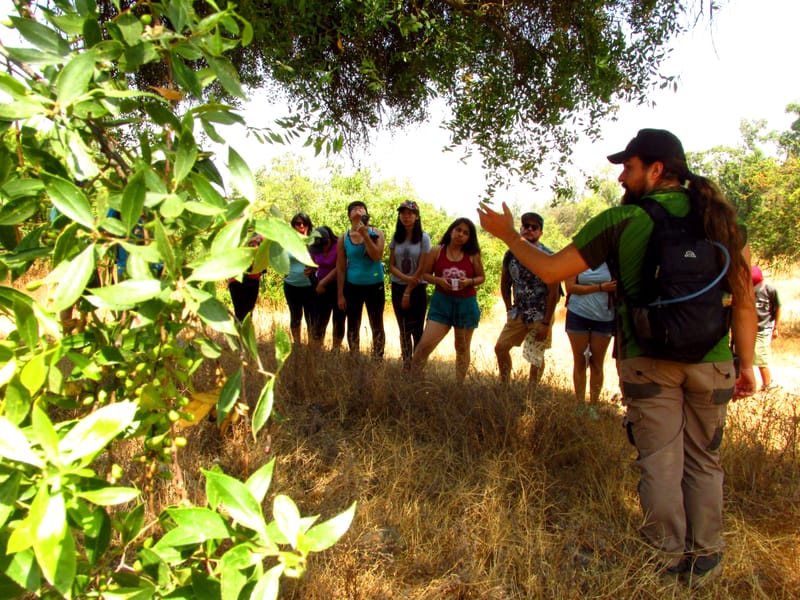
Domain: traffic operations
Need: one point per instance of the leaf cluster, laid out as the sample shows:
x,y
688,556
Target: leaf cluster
x,y
521,80
75,198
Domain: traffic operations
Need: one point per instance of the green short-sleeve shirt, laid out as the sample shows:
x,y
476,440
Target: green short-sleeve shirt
x,y
619,236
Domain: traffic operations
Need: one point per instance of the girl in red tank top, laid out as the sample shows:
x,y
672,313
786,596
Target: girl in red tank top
x,y
455,268
447,270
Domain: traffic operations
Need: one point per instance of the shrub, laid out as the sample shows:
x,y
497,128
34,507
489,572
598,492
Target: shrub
x,y
92,168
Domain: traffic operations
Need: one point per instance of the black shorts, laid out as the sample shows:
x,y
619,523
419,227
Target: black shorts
x,y
579,324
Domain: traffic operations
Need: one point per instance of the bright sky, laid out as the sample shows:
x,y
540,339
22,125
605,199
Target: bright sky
x,y
742,67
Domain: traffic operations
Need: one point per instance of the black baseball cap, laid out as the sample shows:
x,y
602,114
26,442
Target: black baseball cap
x,y
532,216
651,145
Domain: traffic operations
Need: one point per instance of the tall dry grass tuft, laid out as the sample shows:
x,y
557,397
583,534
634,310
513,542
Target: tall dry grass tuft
x,y
463,494
761,456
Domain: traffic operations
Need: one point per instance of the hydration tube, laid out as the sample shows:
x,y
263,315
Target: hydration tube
x,y
705,289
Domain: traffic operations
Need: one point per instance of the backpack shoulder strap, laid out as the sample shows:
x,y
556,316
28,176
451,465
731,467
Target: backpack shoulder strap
x,y
653,208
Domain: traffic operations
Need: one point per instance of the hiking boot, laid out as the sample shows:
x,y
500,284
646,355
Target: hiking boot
x,y
702,570
671,575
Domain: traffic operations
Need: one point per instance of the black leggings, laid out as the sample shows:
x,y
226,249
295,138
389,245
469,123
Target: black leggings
x,y
374,297
410,321
244,295
327,306
301,304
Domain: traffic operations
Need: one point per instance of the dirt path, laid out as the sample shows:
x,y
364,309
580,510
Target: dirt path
x,y
785,364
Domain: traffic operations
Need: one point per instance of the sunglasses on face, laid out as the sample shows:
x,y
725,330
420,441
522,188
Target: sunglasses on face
x,y
531,226
298,224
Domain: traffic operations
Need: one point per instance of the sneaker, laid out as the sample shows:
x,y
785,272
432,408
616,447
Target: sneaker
x,y
702,571
592,413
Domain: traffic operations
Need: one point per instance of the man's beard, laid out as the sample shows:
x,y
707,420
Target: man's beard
x,y
631,197
531,239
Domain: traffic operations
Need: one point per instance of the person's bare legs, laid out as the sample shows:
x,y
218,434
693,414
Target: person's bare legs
x,y
766,377
463,338
433,334
598,345
534,376
503,363
502,350
578,342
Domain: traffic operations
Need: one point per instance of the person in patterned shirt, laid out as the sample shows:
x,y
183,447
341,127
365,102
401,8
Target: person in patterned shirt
x,y
530,311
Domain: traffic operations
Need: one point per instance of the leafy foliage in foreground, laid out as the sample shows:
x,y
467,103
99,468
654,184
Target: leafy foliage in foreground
x,y
74,195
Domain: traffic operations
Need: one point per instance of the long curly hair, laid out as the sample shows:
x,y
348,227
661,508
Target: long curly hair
x,y
472,246
719,220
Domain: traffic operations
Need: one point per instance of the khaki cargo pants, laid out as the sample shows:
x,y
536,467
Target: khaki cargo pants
x,y
675,417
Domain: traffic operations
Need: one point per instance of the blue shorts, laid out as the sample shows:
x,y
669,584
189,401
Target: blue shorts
x,y
579,324
461,313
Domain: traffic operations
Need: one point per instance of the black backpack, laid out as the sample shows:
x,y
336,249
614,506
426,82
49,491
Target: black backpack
x,y
681,313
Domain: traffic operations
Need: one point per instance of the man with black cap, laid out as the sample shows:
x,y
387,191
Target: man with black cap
x,y
530,312
675,410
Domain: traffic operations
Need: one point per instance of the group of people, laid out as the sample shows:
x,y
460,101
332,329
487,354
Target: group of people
x,y
349,278
453,266
675,407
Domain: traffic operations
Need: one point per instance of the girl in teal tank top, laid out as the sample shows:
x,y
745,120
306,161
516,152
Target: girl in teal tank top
x,y
359,263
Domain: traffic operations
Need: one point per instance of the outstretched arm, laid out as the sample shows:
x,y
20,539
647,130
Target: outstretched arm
x,y
550,268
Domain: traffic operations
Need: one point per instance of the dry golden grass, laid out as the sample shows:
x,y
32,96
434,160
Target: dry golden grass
x,y
462,495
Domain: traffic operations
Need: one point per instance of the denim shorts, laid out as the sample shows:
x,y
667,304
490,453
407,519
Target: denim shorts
x,y
579,324
461,313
